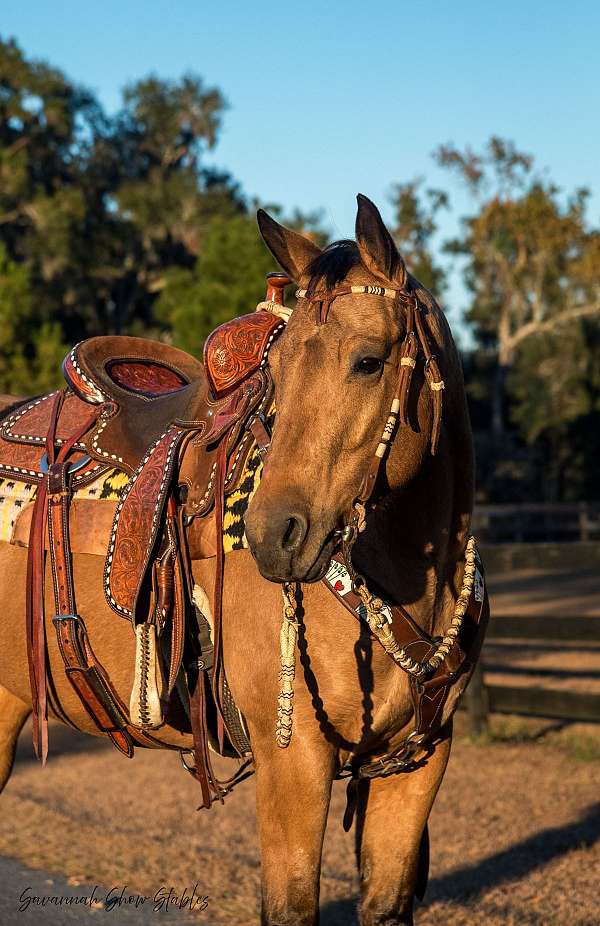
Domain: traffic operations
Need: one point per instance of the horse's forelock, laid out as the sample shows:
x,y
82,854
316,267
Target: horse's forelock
x,y
333,264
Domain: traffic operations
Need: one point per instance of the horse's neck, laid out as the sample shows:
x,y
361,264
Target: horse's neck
x,y
412,550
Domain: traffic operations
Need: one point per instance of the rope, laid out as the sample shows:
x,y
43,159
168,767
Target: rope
x,y
275,308
287,642
382,630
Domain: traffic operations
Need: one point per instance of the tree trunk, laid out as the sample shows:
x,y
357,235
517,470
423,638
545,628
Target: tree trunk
x,y
498,400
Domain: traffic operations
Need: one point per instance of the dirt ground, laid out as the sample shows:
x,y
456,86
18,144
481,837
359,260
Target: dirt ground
x,y
515,832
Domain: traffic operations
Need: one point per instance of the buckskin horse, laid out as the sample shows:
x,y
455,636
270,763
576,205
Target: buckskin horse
x,y
338,435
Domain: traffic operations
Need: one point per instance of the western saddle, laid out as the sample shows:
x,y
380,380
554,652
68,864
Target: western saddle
x,y
181,431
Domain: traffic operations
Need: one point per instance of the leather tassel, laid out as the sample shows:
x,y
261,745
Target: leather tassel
x,y
434,379
408,360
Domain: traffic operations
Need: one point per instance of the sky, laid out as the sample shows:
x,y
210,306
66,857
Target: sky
x,y
330,99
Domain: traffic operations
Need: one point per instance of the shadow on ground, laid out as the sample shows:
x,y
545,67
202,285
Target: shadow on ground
x,y
467,883
63,742
518,860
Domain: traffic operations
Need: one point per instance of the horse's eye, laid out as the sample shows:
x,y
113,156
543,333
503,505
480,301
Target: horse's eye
x,y
368,365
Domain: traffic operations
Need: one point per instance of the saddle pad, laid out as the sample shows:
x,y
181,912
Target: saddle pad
x,y
16,506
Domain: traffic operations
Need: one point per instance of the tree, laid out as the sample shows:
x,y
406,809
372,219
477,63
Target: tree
x,y
98,209
227,279
414,227
31,348
555,387
531,262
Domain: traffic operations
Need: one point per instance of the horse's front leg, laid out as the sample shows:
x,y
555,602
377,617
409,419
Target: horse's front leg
x,y
293,788
391,818
13,714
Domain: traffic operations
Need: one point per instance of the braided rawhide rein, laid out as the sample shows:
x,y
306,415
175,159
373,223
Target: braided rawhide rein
x,y
380,629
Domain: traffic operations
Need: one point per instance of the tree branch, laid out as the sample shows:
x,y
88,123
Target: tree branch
x,y
536,327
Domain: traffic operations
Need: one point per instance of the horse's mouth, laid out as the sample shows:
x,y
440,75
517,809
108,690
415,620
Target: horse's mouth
x,y
314,573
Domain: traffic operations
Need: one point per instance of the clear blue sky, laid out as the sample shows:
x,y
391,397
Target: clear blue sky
x,y
330,99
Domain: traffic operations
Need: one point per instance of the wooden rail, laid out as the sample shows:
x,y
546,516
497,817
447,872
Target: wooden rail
x,y
550,522
481,699
551,629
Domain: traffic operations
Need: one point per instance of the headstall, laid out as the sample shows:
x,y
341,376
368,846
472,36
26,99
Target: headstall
x,y
416,338
442,658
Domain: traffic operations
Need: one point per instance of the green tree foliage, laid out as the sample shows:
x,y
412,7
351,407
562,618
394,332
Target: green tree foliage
x,y
100,211
227,279
414,227
532,266
531,262
31,348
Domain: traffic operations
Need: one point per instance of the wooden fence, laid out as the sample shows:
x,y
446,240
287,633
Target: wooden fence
x,y
481,698
537,522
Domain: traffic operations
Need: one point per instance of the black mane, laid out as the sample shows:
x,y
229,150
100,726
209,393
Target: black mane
x,y
333,264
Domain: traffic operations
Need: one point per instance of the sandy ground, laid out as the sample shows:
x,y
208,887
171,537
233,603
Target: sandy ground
x,y
515,834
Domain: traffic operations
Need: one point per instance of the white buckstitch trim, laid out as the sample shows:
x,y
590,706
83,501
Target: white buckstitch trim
x,y
269,342
130,485
94,386
6,427
96,446
104,418
39,474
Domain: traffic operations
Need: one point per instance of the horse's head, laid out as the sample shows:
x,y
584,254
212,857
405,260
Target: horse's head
x,y
336,372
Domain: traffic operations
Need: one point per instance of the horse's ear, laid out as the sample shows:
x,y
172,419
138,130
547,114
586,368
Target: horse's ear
x,y
292,251
378,252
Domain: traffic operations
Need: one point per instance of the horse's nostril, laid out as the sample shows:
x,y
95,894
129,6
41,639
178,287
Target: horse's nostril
x,y
294,533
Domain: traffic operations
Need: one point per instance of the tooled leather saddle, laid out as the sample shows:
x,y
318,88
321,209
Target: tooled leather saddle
x,y
154,413
181,432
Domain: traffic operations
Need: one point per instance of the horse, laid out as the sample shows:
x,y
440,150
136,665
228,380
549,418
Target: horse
x,y
335,370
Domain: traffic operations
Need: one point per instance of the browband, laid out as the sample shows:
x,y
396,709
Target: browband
x,y
360,290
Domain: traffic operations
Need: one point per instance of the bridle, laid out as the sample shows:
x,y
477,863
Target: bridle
x,y
442,658
415,339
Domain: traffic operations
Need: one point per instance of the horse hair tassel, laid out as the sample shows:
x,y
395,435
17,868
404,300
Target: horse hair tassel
x,y
287,639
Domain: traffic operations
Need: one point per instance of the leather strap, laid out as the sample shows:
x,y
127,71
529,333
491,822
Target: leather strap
x,y
85,674
36,560
218,592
